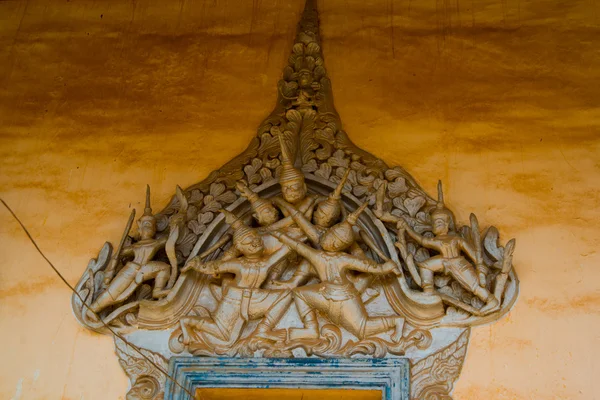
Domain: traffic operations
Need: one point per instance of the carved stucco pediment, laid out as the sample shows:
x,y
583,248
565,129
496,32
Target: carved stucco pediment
x,y
409,280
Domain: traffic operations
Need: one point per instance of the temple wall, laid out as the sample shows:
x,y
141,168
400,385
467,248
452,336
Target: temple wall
x,y
499,99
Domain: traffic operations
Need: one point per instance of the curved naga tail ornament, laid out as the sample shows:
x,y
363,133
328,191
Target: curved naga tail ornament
x,y
439,277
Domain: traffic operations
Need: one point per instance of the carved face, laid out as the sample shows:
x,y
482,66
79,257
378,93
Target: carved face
x,y
322,218
441,224
326,214
305,79
147,227
331,242
250,244
145,388
293,191
267,216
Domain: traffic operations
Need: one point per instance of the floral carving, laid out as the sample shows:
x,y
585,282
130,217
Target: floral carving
x,y
147,382
433,377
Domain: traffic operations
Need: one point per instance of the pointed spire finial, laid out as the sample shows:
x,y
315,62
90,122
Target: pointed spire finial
x,y
308,27
353,217
240,229
247,192
286,157
289,173
148,208
337,193
232,219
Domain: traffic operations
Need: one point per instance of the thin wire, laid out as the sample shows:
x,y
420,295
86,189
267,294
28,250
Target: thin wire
x,y
137,349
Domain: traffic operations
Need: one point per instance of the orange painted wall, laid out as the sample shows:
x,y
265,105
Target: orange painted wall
x,y
497,98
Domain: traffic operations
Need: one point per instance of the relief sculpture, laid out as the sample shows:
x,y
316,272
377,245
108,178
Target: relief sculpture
x,y
303,245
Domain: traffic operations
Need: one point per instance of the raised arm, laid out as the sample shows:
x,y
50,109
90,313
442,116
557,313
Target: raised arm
x,y
422,240
300,219
301,275
278,255
305,208
305,251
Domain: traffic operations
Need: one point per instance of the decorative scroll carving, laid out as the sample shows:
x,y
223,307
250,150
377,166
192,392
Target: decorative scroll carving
x,y
433,377
303,245
147,382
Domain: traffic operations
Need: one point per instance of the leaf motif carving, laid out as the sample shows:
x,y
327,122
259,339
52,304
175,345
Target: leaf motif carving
x,y
338,159
196,197
399,204
227,197
266,174
216,189
310,166
324,171
251,171
269,145
213,206
414,205
397,187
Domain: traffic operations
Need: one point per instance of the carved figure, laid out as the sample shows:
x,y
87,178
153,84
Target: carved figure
x,y
450,260
142,267
262,209
291,179
243,300
327,212
336,296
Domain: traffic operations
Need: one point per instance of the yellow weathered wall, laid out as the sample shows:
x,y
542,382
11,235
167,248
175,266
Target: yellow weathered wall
x,y
497,98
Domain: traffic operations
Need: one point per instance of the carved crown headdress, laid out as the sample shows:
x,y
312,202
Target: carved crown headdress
x,y
266,213
440,209
289,173
147,216
332,206
240,229
343,231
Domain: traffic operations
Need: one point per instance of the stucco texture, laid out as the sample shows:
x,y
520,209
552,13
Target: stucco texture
x,y
499,99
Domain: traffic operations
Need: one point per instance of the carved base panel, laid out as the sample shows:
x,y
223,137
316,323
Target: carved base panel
x,y
433,371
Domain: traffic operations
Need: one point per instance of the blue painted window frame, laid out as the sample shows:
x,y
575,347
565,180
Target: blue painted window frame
x,y
390,375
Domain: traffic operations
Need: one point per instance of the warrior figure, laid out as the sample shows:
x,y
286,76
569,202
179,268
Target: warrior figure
x,y
450,261
142,268
336,296
262,209
243,299
325,215
291,179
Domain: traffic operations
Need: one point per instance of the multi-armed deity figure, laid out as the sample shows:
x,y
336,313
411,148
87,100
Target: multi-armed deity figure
x,y
243,299
450,259
142,267
336,297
